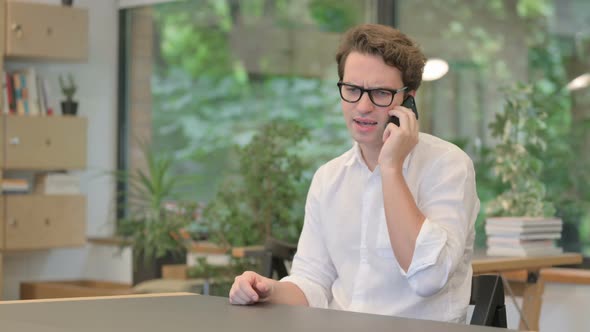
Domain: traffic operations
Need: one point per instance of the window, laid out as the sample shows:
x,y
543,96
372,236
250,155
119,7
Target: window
x,y
202,76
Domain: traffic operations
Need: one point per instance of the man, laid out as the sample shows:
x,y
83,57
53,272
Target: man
x,y
389,225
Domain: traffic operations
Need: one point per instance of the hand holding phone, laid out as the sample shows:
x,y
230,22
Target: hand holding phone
x,y
410,103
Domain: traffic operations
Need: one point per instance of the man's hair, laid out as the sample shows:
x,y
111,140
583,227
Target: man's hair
x,y
396,49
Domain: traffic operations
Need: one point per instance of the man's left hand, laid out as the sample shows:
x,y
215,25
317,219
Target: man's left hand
x,y
399,141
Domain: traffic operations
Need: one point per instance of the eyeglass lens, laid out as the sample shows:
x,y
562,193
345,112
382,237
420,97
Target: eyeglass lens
x,y
352,94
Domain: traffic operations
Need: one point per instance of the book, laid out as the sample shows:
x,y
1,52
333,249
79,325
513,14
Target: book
x,y
523,252
533,236
515,229
57,184
517,242
31,75
10,93
15,185
5,106
523,222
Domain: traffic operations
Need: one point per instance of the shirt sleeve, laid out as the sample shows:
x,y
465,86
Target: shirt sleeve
x,y
312,269
449,202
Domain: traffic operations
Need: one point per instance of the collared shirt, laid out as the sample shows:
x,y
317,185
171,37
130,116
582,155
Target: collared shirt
x,y
344,259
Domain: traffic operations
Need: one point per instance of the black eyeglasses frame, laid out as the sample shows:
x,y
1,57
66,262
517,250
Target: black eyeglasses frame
x,y
340,84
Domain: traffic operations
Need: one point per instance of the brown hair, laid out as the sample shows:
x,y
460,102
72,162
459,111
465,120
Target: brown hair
x,y
396,49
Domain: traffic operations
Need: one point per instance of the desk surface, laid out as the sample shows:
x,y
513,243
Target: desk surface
x,y
486,264
481,263
179,313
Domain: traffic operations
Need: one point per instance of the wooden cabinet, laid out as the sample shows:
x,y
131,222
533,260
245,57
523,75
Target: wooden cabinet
x,y
46,31
44,143
29,144
43,221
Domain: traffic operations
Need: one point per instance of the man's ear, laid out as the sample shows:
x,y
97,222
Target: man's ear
x,y
412,93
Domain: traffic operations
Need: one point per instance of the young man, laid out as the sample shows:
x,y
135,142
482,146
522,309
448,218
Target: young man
x,y
389,225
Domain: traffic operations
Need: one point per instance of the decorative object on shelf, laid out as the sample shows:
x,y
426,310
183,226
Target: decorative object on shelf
x,y
68,106
530,227
67,2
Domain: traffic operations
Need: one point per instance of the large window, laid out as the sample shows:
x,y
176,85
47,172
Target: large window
x,y
204,76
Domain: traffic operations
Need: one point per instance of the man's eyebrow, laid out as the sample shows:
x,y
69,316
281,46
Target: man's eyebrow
x,y
370,88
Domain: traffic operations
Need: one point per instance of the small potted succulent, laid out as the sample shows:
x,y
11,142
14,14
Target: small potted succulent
x,y
68,106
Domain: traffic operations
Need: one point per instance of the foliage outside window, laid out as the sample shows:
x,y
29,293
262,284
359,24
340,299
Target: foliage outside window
x,y
206,102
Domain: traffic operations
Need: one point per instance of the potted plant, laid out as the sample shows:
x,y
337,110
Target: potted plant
x,y
266,198
152,222
68,106
519,128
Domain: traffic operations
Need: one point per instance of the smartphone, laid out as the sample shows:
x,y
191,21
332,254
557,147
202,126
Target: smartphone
x,y
410,103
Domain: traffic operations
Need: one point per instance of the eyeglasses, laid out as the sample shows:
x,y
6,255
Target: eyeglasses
x,y
380,97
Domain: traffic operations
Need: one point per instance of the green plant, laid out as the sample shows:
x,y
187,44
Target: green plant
x,y
266,198
152,223
69,89
519,128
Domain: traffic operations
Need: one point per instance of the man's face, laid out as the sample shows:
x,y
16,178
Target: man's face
x,y
365,120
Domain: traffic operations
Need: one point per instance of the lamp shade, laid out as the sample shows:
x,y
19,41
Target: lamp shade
x,y
434,69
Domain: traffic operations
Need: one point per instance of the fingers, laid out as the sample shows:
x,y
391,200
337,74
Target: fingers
x,y
242,290
407,119
263,289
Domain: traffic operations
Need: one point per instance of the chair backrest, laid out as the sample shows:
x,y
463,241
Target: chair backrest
x,y
487,296
276,253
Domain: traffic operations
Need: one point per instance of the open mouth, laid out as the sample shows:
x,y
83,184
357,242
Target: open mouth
x,y
365,122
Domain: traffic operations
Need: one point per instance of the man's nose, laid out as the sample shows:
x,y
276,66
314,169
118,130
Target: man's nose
x,y
365,104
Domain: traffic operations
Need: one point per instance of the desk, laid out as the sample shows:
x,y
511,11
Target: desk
x,y
184,312
529,284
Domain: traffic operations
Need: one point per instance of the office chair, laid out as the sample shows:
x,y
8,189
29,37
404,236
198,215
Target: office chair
x,y
276,253
487,295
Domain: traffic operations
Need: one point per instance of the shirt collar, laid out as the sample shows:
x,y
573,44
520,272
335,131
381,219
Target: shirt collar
x,y
355,156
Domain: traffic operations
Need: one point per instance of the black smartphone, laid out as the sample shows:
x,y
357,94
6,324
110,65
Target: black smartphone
x,y
410,103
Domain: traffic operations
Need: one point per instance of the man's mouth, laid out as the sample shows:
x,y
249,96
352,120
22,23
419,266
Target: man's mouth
x,y
365,122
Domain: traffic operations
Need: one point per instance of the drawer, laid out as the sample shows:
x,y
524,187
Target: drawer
x,y
44,143
46,31
44,221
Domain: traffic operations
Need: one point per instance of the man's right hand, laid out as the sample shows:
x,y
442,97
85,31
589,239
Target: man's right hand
x,y
250,287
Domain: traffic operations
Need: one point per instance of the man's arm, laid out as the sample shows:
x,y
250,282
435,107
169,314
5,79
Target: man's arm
x,y
404,219
449,202
312,271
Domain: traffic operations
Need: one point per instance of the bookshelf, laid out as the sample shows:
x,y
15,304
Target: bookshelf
x,y
35,144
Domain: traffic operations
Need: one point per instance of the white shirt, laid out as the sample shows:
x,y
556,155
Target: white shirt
x,y
344,259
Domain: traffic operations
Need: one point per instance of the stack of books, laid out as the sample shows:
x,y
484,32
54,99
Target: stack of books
x,y
523,236
14,186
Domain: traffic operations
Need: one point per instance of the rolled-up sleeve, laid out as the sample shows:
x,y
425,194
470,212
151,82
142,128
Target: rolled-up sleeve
x,y
312,269
449,201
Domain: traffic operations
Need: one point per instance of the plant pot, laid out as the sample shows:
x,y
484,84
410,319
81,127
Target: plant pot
x,y
69,107
143,271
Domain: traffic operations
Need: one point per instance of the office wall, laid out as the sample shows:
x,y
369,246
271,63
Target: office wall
x,y
97,94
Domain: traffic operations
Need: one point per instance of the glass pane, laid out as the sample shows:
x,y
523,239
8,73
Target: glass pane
x,y
221,69
490,45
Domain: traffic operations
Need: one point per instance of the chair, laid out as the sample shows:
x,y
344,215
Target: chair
x,y
487,295
276,253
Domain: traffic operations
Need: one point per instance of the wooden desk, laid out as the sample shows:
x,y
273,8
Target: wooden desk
x,y
183,312
529,285
524,279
